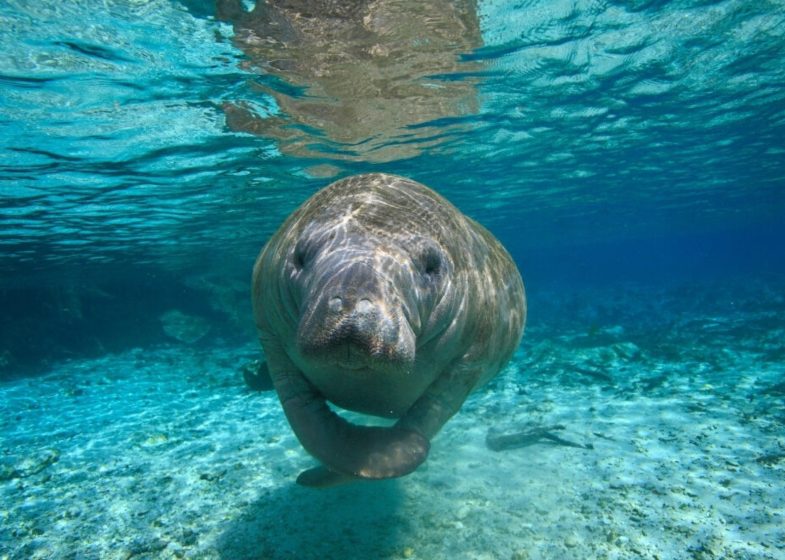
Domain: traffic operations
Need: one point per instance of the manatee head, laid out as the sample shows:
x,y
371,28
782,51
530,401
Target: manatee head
x,y
365,297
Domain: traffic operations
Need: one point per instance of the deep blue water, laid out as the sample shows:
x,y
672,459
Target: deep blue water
x,y
600,141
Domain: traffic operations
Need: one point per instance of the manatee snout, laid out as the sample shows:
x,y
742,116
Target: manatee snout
x,y
353,322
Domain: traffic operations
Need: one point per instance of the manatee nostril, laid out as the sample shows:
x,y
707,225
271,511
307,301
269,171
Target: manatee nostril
x,y
335,305
364,306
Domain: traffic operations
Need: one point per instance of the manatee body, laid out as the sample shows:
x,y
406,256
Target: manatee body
x,y
380,296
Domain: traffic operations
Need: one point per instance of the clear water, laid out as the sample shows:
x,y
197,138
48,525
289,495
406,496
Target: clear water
x,y
630,155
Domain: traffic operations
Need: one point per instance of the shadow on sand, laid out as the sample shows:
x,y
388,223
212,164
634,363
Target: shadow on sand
x,y
360,520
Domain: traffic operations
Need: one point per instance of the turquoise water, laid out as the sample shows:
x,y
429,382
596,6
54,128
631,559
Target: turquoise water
x,y
630,155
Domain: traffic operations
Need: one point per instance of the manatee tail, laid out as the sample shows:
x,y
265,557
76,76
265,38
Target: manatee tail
x,y
322,477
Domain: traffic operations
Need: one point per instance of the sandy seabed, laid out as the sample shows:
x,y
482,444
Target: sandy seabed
x,y
675,395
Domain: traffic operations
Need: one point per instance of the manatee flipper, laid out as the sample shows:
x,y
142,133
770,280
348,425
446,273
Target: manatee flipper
x,y
257,377
357,451
440,401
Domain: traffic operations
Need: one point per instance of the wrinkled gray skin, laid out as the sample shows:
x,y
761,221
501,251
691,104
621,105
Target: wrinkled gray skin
x,y
379,296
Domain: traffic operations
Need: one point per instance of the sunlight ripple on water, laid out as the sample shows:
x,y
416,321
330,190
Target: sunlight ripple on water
x,y
605,116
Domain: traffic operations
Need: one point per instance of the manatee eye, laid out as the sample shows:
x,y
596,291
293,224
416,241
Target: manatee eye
x,y
431,262
299,255
309,247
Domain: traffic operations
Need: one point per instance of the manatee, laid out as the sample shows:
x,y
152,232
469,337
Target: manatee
x,y
379,296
